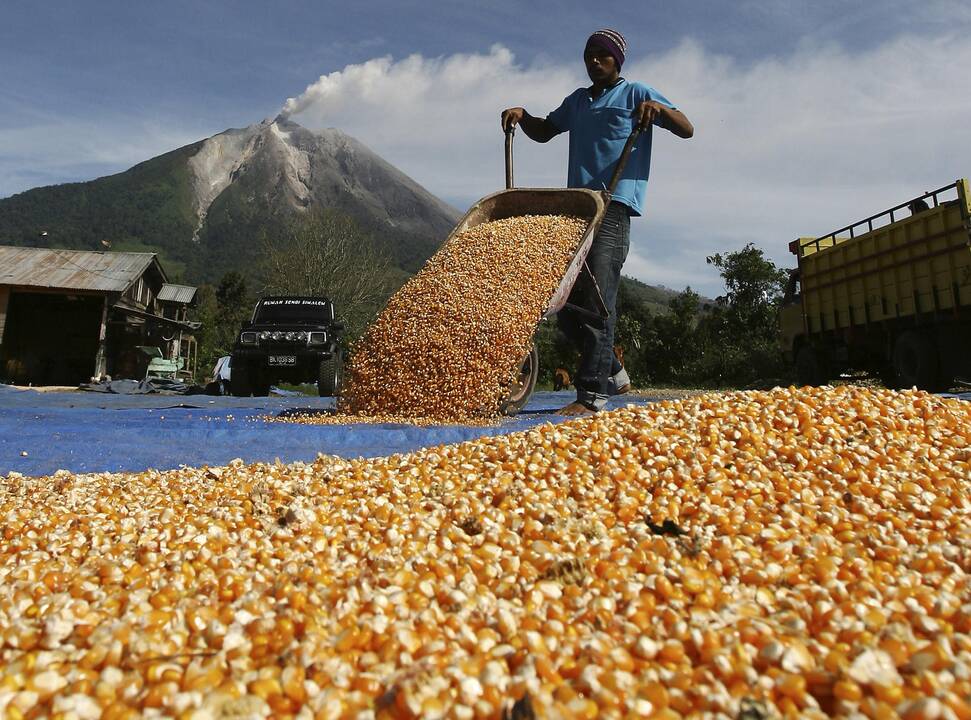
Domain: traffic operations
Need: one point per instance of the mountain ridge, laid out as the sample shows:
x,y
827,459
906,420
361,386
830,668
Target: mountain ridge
x,y
205,206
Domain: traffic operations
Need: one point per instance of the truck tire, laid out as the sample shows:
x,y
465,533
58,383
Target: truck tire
x,y
523,386
812,366
915,362
241,381
331,375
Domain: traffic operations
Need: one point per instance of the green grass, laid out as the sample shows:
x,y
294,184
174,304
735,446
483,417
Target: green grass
x,y
309,389
173,268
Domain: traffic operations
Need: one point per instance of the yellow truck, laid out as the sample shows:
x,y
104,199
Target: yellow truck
x,y
889,294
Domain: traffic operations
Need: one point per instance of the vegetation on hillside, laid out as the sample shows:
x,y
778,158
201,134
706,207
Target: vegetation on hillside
x,y
222,309
729,342
323,253
147,208
686,340
151,208
328,254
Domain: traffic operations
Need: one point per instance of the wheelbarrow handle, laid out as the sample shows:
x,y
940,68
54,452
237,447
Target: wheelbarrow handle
x,y
618,171
510,131
622,161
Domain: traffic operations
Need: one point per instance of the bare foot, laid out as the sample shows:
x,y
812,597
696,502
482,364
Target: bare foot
x,y
623,389
575,408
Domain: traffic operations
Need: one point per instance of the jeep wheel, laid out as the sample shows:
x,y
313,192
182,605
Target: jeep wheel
x,y
331,375
523,385
240,381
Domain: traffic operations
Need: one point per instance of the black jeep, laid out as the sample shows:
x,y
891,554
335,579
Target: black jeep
x,y
290,339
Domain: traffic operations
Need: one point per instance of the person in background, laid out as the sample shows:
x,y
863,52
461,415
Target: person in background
x,y
918,206
599,119
221,377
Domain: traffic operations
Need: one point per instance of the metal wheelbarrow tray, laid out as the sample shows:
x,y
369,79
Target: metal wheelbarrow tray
x,y
589,205
586,204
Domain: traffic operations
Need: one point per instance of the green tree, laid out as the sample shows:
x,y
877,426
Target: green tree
x,y
755,287
634,319
674,339
740,335
328,254
222,310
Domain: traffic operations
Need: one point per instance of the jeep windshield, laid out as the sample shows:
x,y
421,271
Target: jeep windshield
x,y
294,310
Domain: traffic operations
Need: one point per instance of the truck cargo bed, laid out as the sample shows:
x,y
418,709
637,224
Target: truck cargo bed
x,y
890,294
918,264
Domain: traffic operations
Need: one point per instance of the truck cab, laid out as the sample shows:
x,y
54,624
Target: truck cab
x,y
791,325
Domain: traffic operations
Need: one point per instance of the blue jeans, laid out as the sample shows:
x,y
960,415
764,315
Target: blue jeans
x,y
591,333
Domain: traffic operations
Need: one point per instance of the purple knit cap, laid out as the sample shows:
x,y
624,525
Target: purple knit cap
x,y
611,41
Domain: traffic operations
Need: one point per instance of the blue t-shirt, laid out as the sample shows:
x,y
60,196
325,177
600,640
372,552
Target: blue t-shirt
x,y
598,132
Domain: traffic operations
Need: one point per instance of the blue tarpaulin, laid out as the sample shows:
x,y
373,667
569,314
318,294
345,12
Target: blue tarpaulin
x,y
42,432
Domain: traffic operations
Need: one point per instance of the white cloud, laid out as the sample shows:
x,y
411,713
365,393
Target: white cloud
x,y
784,147
437,119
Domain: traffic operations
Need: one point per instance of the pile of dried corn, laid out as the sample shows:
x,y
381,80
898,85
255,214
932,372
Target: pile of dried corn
x,y
449,342
802,552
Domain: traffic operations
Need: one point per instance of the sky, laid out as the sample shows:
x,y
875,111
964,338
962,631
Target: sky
x,y
808,116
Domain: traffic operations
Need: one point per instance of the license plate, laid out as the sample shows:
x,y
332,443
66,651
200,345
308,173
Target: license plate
x,y
283,359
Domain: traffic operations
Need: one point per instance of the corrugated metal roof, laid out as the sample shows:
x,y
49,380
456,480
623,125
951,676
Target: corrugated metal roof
x,y
71,269
177,293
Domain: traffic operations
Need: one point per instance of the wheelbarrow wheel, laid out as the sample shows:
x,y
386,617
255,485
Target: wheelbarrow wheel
x,y
523,385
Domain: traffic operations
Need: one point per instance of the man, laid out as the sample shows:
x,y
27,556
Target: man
x,y
599,119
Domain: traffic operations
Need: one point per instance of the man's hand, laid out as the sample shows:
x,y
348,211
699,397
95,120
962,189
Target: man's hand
x,y
538,129
652,112
648,113
511,117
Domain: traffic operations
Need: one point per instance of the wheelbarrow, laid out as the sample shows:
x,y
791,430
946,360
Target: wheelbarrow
x,y
513,202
